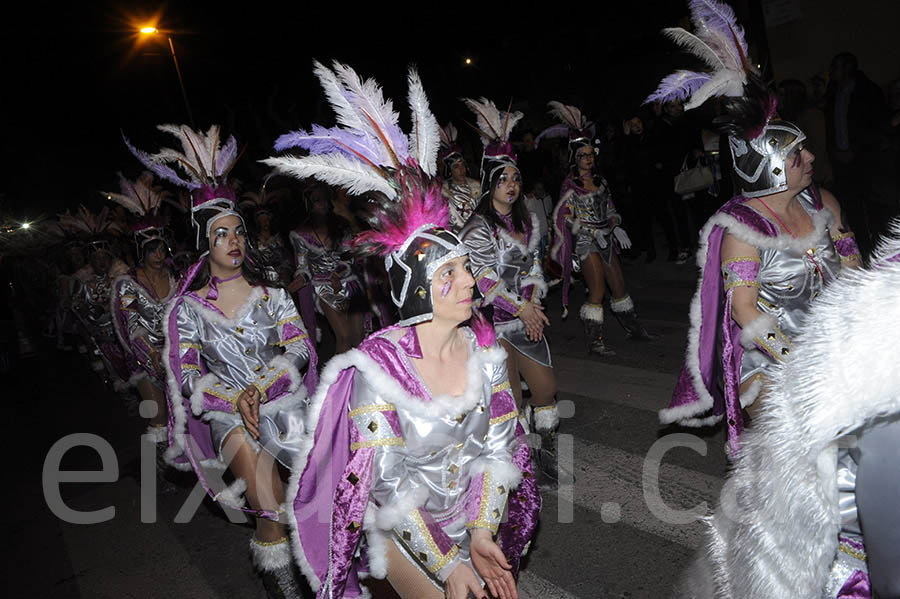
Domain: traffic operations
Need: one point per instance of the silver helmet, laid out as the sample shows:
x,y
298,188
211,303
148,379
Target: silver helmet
x,y
760,165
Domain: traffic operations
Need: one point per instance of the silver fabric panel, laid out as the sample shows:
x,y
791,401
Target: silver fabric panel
x,y
462,200
91,302
596,216
146,313
318,264
514,333
239,352
789,281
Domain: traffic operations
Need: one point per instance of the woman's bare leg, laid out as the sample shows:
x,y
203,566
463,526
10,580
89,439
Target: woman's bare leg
x,y
594,277
265,491
340,326
408,580
148,391
541,381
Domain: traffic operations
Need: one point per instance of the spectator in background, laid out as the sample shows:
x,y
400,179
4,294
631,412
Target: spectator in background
x,y
856,123
641,200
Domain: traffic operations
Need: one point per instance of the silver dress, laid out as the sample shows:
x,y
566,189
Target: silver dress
x,y
508,274
462,200
143,317
441,467
264,345
318,264
591,217
790,278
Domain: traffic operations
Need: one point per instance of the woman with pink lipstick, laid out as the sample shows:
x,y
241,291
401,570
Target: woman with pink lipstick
x,y
418,470
234,350
503,239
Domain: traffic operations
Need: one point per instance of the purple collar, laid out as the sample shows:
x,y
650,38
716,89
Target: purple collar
x,y
409,343
213,293
507,220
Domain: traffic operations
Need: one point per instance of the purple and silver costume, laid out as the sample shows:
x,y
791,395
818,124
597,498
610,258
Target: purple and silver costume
x,y
319,264
509,275
393,463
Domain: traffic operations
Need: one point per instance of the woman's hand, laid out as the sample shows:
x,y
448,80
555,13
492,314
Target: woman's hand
x,y
491,564
297,284
248,405
532,315
461,582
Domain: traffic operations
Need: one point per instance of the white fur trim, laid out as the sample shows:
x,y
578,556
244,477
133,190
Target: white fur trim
x,y
532,242
377,541
624,304
437,408
546,418
206,381
559,235
749,396
593,312
176,399
253,298
502,472
787,467
157,434
270,557
757,328
233,495
510,326
389,516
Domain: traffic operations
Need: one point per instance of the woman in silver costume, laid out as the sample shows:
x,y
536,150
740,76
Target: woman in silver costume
x,y
461,191
588,229
139,298
270,245
234,350
766,254
412,466
321,247
503,239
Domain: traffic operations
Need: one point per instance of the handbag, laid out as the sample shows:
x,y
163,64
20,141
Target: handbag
x,y
692,180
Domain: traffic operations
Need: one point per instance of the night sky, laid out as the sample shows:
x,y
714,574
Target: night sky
x,y
80,74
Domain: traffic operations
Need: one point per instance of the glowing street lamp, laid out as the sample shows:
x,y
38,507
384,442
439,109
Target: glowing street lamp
x,y
468,62
151,30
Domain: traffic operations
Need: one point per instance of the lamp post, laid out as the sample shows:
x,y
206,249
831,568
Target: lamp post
x,y
153,31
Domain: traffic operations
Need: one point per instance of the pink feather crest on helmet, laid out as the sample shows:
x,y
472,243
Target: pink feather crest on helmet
x,y
420,203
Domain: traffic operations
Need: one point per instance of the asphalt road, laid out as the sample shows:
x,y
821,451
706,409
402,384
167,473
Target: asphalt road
x,y
625,529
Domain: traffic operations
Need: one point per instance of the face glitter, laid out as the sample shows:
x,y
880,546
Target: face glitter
x,y
445,290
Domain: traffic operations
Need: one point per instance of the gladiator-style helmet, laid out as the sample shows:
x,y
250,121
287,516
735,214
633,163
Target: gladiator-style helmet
x,y
759,164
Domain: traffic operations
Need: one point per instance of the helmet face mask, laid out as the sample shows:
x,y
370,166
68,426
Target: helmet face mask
x,y
760,164
411,269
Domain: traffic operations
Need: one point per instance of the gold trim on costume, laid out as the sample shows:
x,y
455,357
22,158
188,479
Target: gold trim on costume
x,y
383,407
504,418
501,387
196,346
728,261
397,441
287,320
442,560
291,340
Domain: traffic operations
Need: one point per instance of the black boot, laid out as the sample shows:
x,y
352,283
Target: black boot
x,y
592,317
545,422
623,309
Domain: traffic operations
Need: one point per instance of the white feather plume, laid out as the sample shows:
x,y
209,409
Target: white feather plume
x,y
695,46
334,91
424,136
493,124
723,83
334,169
569,115
448,134
139,197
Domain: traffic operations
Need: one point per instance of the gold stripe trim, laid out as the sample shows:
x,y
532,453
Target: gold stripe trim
x,y
196,346
504,418
384,407
500,387
833,238
280,541
189,367
482,524
287,320
733,284
740,259
395,441
853,552
850,258
291,340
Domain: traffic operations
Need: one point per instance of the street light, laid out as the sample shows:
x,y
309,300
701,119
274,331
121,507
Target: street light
x,y
151,30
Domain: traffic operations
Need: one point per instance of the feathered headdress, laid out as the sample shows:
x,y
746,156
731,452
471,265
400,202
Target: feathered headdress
x,y
367,147
202,165
263,201
92,228
572,124
450,149
718,41
494,127
142,199
759,143
368,152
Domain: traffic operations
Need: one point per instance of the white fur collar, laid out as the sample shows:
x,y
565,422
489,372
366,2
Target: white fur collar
x,y
220,319
534,238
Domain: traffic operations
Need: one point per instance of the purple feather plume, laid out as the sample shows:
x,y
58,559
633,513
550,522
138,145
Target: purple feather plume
x,y
162,171
680,84
321,140
719,17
